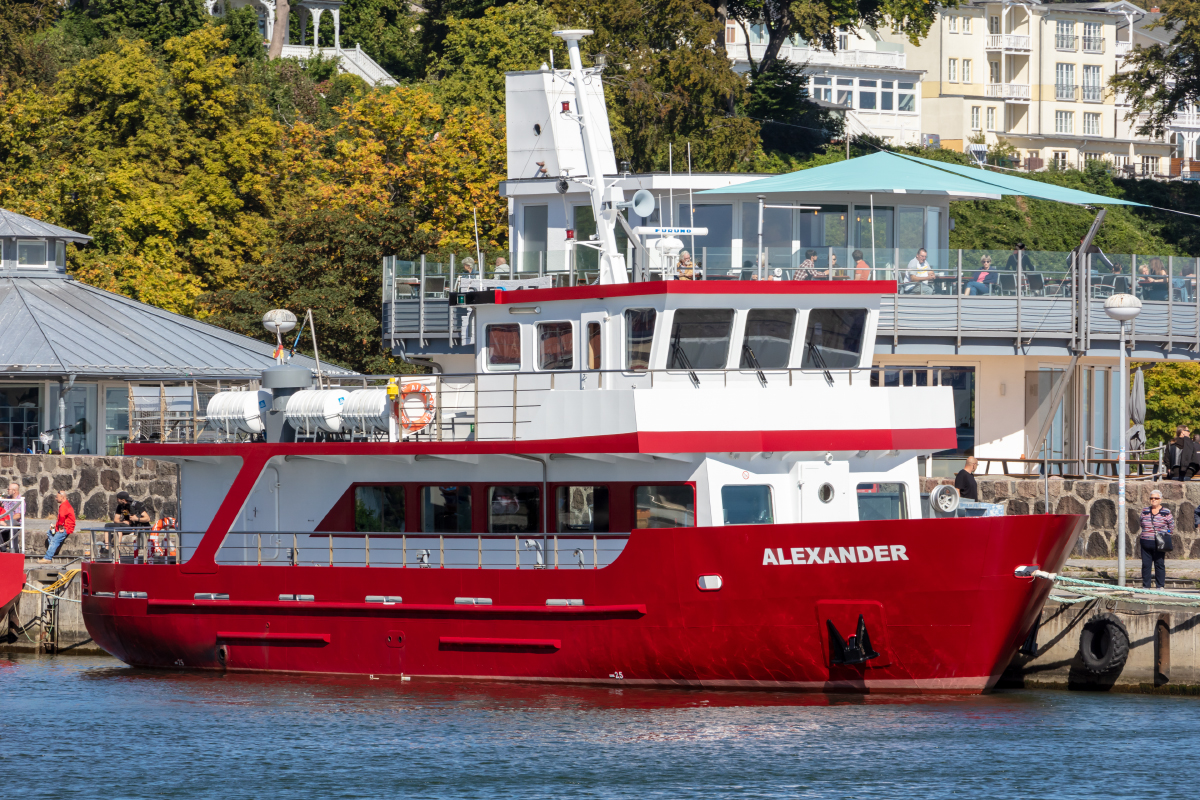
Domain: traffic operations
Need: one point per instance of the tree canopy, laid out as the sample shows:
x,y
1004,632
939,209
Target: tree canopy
x,y
1162,79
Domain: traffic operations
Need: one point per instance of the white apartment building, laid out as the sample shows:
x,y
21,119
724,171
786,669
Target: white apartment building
x,y
1035,75
866,75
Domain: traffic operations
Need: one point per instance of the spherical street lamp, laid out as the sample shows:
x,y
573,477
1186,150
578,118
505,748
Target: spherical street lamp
x,y
1123,308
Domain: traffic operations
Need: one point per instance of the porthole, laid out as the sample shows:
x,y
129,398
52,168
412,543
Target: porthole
x,y
825,493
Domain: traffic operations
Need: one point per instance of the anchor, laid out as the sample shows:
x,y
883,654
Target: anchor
x,y
856,651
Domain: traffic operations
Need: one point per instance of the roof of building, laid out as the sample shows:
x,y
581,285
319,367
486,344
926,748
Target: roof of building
x,y
903,174
51,325
18,226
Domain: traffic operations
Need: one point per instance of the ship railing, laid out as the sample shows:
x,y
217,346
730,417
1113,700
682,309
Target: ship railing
x,y
564,550
130,545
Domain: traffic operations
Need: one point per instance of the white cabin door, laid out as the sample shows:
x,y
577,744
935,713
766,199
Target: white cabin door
x,y
593,349
261,515
825,492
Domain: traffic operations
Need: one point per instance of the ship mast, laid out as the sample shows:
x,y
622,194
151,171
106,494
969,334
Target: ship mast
x,y
605,199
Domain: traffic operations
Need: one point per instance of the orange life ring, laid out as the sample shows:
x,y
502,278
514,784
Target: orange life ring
x,y
409,424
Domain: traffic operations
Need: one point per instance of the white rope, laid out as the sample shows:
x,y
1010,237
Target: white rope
x,y
1090,590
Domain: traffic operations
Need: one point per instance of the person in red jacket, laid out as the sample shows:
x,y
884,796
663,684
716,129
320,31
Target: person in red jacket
x,y
64,526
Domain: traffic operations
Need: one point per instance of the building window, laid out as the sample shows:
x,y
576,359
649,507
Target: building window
x,y
966,78
1149,165
993,25
843,41
665,506
952,71
885,96
993,72
1091,125
1064,35
1093,37
747,505
907,100
581,509
1064,81
879,501
504,347
1090,157
21,409
835,338
700,338
639,335
514,509
731,34
966,24
556,345
952,23
60,254
991,118
845,97
1093,91
116,420
446,509
31,254
974,118
1064,121
379,509
866,100
821,89
1060,156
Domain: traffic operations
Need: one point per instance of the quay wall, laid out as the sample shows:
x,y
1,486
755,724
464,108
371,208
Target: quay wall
x,y
1097,500
91,483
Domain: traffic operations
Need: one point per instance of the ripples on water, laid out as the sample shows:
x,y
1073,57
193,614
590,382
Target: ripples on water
x,y
90,727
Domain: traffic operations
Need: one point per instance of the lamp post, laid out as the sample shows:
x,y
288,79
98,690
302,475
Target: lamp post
x,y
1123,308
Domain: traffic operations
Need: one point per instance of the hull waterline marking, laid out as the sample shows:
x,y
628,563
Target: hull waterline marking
x,y
834,555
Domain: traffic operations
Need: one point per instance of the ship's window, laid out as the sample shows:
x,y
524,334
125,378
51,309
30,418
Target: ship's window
x,y
835,338
581,509
446,509
665,506
882,501
379,509
747,505
768,339
593,345
504,346
556,345
639,334
514,509
700,338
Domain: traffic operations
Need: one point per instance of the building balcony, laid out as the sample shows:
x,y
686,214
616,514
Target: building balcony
x,y
1015,92
1065,43
1093,94
1124,48
1008,42
1065,91
825,58
1093,44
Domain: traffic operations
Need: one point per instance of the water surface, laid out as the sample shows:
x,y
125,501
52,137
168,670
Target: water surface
x,y
90,727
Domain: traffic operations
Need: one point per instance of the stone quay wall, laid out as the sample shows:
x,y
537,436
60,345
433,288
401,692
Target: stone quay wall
x,y
1097,500
91,483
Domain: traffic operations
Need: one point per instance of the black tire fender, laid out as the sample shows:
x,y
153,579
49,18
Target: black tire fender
x,y
1104,644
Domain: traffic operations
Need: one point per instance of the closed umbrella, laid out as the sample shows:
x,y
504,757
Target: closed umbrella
x,y
1137,413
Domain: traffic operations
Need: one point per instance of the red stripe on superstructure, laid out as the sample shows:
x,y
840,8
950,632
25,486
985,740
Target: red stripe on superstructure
x,y
601,291
640,442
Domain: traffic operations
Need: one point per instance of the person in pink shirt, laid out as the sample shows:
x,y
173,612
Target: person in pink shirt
x,y
64,526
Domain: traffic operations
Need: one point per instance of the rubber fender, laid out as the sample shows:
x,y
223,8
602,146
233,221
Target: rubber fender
x,y
1104,644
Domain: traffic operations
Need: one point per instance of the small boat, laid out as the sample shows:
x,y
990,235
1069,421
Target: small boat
x,y
680,483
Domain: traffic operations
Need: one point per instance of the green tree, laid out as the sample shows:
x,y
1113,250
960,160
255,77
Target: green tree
x,y
327,260
241,29
790,122
19,19
1164,78
389,32
152,20
477,52
1172,398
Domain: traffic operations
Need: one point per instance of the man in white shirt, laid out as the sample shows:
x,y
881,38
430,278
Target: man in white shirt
x,y
919,273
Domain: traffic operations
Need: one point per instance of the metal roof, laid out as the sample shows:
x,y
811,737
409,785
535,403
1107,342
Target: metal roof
x,y
17,226
51,326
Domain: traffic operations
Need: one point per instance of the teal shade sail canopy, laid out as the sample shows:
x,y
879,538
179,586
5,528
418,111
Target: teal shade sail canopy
x,y
902,174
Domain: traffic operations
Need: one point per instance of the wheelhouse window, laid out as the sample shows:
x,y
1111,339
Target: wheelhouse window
x,y
504,347
379,509
31,254
581,509
700,338
665,506
835,338
767,340
593,345
556,345
446,509
747,505
639,335
514,509
877,501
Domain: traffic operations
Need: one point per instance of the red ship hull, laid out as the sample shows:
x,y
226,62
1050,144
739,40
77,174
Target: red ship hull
x,y
12,580
944,613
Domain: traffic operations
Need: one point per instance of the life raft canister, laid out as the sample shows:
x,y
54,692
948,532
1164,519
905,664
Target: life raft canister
x,y
408,422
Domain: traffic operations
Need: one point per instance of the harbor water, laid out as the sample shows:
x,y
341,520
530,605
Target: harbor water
x,y
84,726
